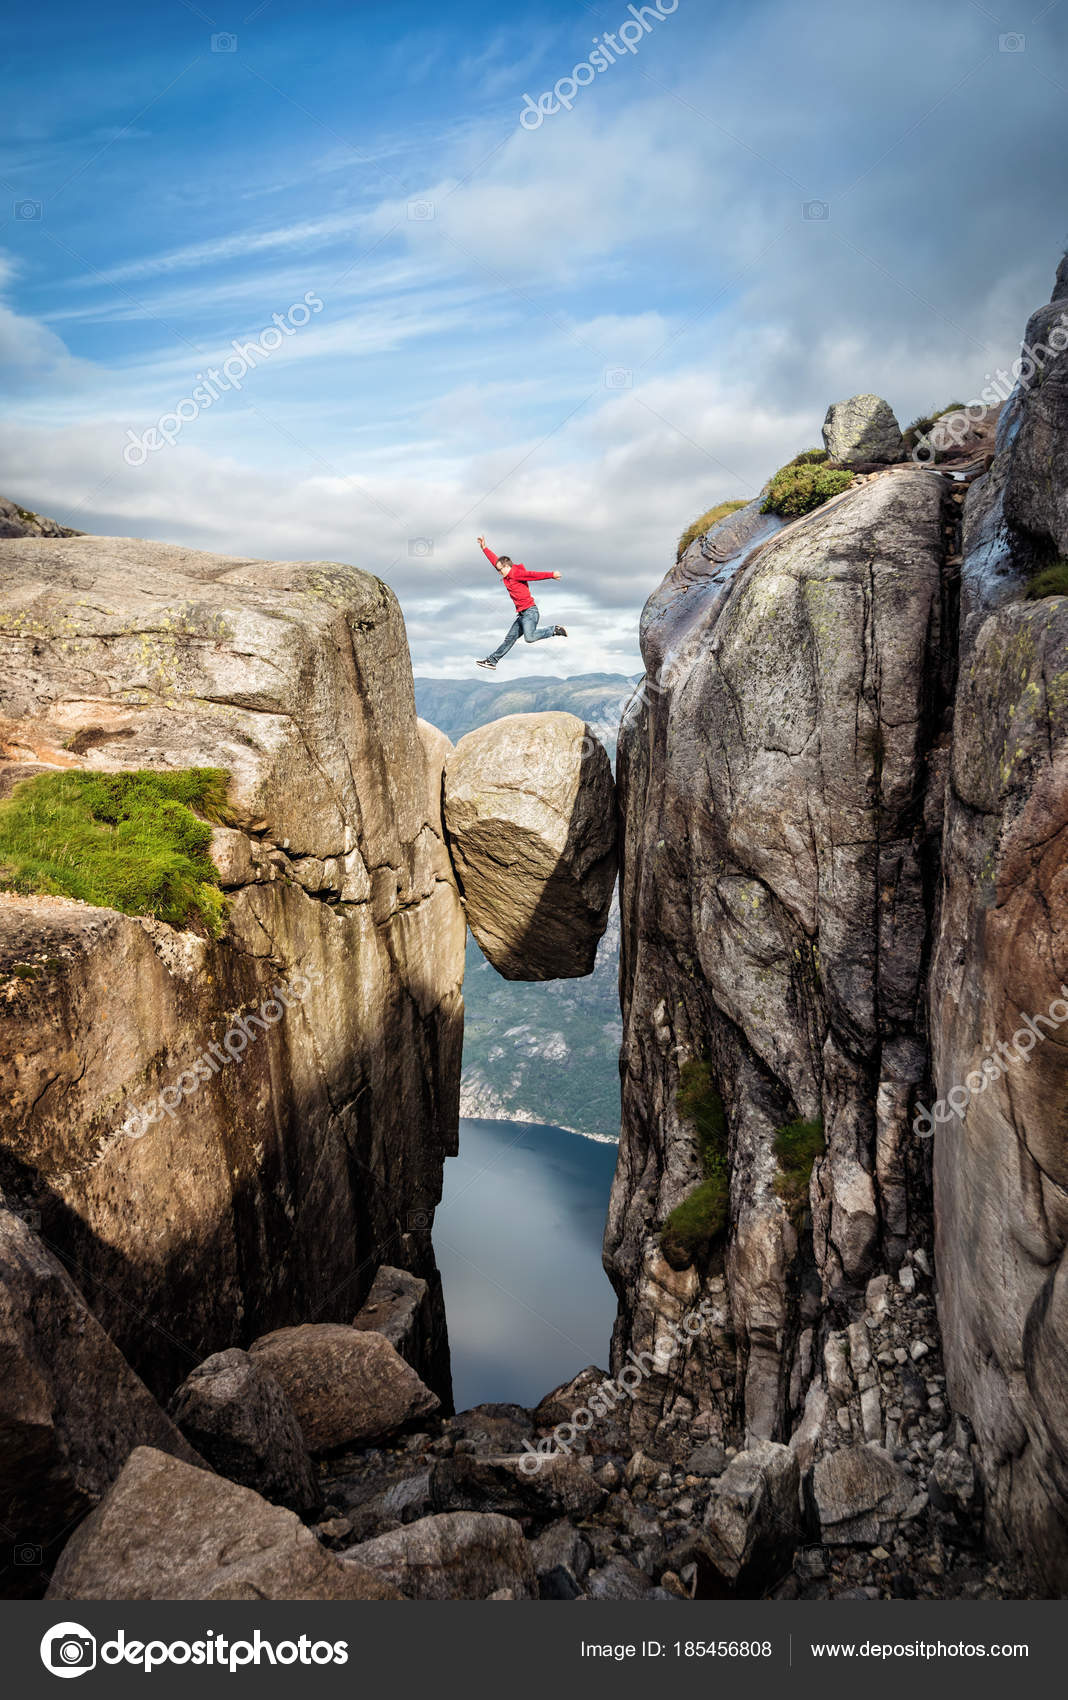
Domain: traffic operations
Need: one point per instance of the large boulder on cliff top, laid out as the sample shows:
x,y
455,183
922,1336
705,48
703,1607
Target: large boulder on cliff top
x,y
461,1555
530,816
236,1415
71,1408
346,1385
166,1531
862,429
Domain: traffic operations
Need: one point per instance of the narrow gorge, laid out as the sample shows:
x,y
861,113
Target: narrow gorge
x,y
838,1224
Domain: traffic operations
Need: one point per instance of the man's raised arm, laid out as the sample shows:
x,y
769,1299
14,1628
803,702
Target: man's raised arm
x,y
490,556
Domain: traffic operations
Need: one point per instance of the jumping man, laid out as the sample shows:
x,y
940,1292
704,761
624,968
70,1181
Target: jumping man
x,y
516,579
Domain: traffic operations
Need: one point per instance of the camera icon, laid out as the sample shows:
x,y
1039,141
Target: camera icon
x,y
618,378
29,1554
224,42
420,210
68,1649
819,211
1012,43
28,211
419,1221
420,547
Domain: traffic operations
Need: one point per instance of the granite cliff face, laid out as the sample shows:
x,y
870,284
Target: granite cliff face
x,y
220,1148
843,865
198,1206
999,974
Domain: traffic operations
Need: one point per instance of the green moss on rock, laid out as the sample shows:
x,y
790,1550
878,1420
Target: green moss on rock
x,y
128,841
1051,581
803,484
705,523
700,1220
797,1146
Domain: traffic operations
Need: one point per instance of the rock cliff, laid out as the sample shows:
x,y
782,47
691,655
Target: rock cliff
x,y
998,999
843,850
201,1196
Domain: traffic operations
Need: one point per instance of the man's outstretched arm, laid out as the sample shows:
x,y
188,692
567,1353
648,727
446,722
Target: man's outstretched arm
x,y
528,574
490,556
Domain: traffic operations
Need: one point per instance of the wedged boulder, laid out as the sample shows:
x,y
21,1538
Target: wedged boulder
x,y
859,1496
753,1520
346,1385
863,428
398,1307
462,1555
71,1408
531,823
241,1422
169,1531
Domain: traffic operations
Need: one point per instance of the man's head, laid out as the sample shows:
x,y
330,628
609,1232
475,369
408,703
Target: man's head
x,y
504,564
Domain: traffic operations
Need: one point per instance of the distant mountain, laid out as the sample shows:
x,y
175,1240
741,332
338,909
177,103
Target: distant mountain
x,y
459,705
545,1052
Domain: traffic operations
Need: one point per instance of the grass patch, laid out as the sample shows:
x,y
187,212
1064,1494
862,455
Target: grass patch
x,y
797,1145
803,484
694,1226
127,841
1051,581
917,431
705,523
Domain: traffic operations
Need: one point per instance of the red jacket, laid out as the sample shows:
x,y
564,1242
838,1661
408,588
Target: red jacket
x,y
515,581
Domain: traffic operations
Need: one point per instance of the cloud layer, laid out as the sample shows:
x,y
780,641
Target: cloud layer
x,y
572,339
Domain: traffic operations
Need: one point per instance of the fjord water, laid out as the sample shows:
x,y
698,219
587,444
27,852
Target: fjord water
x,y
518,1240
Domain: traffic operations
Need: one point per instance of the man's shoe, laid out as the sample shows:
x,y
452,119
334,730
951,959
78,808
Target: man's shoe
x,y
492,665
560,631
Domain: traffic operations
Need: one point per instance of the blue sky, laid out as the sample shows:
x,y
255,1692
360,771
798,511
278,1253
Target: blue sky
x,y
573,337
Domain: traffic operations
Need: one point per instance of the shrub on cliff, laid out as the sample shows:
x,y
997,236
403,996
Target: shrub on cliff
x,y
797,1145
1051,581
127,841
803,484
705,523
694,1225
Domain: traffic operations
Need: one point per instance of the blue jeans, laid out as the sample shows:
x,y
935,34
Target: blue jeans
x,y
524,626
